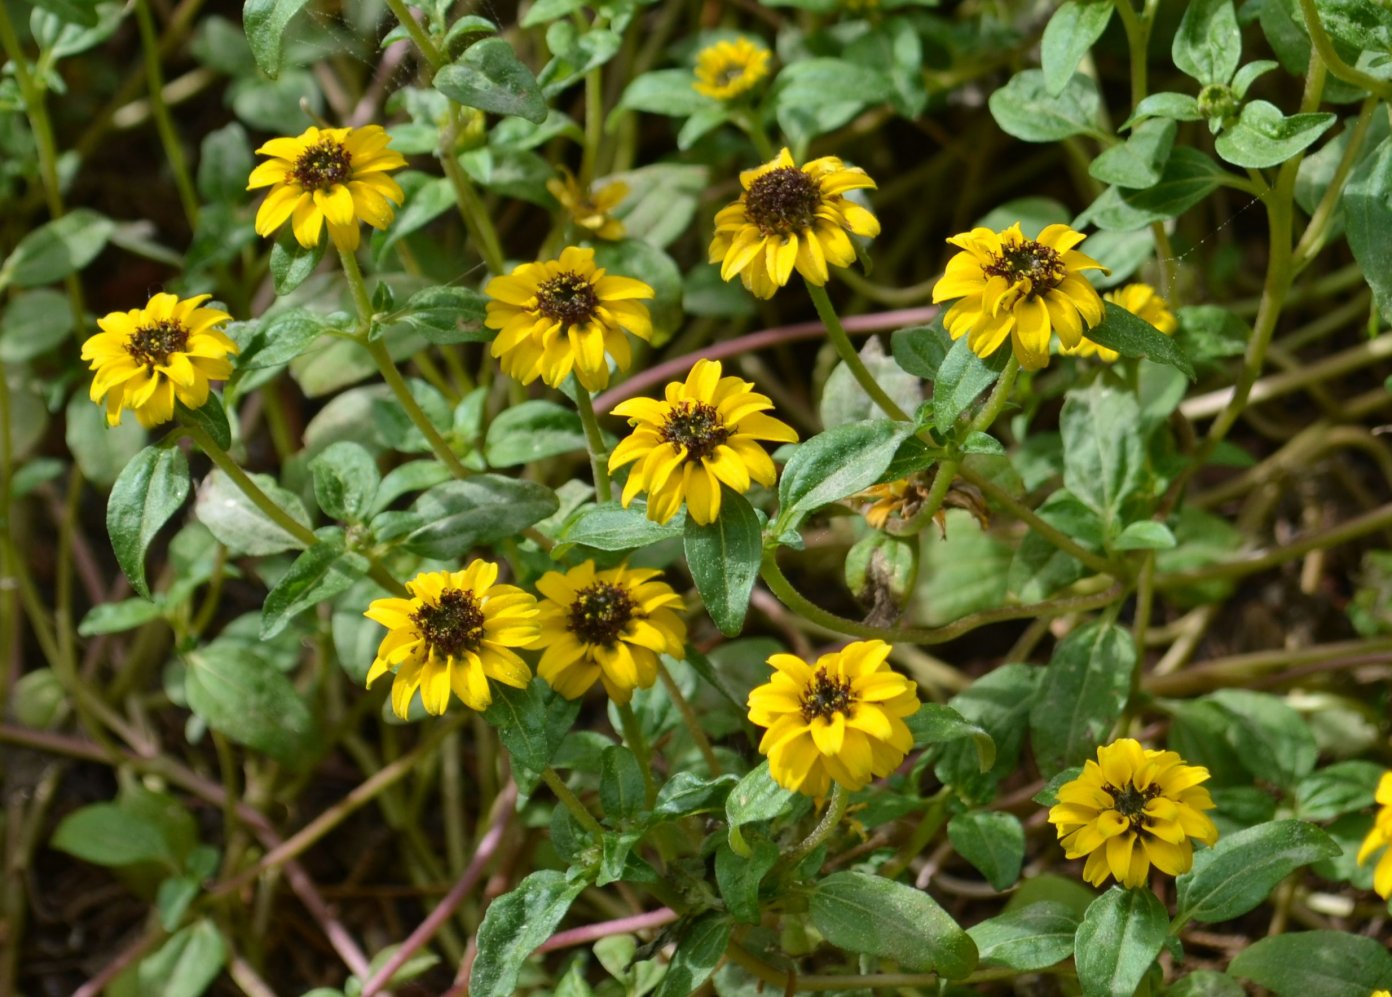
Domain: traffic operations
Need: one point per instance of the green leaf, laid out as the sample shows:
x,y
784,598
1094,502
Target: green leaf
x,y
291,263
1039,569
1205,983
608,526
531,723
1132,336
448,315
992,841
224,162
1368,221
211,417
70,12
933,723
1121,934
844,401
111,835
755,798
1208,44
1263,136
1238,873
55,250
146,495
317,575
186,964
1189,177
115,617
645,262
1081,694
835,464
1316,964
877,916
1338,789
685,794
738,877
459,515
724,558
281,338
548,10
665,91
1140,161
102,452
1072,30
250,700
961,377
1175,106
514,925
1273,740
701,945
533,430
238,524
999,702
33,323
1103,459
921,349
489,76
621,790
173,899
1027,938
345,480
265,22
1145,534
1025,108
818,95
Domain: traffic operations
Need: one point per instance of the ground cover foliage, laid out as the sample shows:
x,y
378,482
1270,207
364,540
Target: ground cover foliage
x,y
581,527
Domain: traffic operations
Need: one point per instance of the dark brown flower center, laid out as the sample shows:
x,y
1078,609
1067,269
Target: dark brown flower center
x,y
600,612
321,166
783,201
1131,802
567,297
696,426
827,695
731,74
1041,264
153,345
452,625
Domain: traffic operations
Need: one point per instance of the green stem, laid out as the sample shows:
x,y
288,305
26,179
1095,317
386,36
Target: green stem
x,y
471,209
693,722
638,744
1000,395
578,810
835,812
423,41
594,126
836,332
1337,66
387,368
750,123
1036,523
594,439
164,124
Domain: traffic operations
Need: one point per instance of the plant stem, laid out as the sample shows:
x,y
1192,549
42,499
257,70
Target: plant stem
x,y
1000,395
693,722
1039,525
594,439
837,334
835,811
471,209
422,40
638,744
578,810
164,124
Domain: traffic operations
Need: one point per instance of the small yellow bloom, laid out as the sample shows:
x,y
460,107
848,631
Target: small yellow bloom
x,y
608,626
590,210
1019,289
700,437
147,357
728,69
841,718
1140,300
455,632
791,217
1131,808
333,175
561,315
1380,837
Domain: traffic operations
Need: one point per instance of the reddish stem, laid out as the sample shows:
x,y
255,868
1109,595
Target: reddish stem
x,y
622,926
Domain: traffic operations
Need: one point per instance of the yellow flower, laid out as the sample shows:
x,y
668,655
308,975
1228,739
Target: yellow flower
x,y
1018,288
1380,836
1141,300
699,437
333,175
841,718
730,68
791,217
147,357
589,210
564,315
606,625
456,631
1131,808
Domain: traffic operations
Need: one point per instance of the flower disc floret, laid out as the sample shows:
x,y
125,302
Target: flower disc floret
x,y
606,626
729,69
791,217
1140,300
839,719
1019,289
328,176
456,631
1379,838
1133,808
565,315
146,358
699,438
